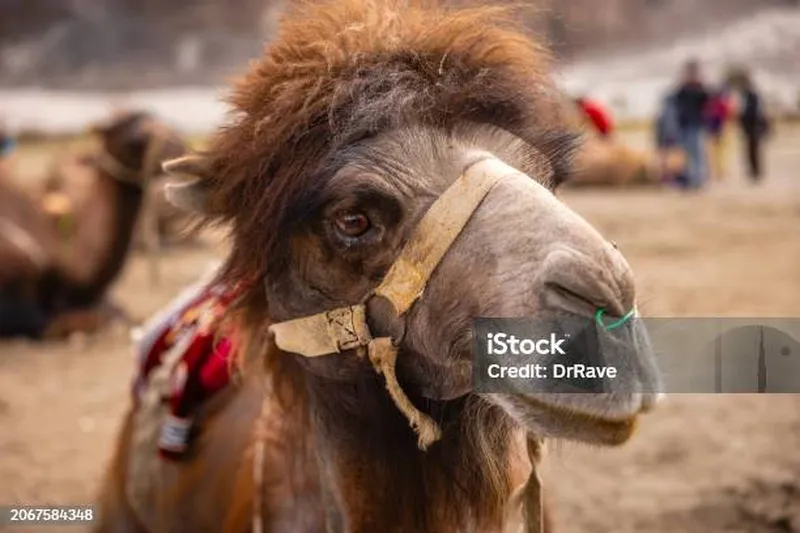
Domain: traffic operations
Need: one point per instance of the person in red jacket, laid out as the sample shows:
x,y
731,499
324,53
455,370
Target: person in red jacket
x,y
718,111
597,114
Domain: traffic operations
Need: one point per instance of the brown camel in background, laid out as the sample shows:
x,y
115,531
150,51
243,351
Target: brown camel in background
x,y
361,116
611,163
28,249
69,184
63,289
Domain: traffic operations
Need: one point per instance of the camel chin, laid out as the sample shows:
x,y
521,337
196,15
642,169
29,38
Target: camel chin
x,y
549,419
604,418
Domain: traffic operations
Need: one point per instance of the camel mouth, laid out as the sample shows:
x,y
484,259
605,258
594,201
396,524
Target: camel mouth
x,y
548,394
559,421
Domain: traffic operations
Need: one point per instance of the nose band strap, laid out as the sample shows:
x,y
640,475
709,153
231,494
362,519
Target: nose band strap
x,y
346,328
437,231
325,333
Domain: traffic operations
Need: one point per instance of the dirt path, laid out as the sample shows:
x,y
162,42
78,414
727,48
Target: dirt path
x,y
699,464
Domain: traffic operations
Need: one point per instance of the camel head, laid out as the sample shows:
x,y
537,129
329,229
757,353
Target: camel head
x,y
130,138
359,117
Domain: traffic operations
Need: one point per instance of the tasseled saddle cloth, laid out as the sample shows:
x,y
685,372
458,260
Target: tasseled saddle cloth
x,y
181,353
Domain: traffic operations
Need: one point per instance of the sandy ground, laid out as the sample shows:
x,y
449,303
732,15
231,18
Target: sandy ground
x,y
698,464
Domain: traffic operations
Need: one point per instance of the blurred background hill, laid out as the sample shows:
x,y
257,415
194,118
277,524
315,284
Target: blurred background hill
x,y
129,44
626,51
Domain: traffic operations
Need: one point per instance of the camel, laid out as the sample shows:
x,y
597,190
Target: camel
x,y
610,163
388,175
65,275
70,181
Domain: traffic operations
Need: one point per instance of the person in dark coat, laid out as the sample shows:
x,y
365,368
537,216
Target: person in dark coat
x,y
755,128
691,99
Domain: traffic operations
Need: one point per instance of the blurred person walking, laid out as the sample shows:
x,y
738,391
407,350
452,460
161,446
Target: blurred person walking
x,y
691,99
755,127
718,114
672,160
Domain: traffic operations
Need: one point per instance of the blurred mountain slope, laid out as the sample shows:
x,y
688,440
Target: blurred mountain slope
x,y
66,63
126,44
633,79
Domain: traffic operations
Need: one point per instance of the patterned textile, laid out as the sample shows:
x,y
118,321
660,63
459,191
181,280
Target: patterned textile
x,y
185,341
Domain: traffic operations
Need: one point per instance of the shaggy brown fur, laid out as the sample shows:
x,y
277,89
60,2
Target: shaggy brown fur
x,y
340,72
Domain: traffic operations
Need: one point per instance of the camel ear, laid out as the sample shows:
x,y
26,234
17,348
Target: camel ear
x,y
188,188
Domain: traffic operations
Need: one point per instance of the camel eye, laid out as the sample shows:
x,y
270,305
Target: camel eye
x,y
352,225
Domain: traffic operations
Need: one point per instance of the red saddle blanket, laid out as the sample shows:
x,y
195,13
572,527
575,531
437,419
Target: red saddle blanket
x,y
186,339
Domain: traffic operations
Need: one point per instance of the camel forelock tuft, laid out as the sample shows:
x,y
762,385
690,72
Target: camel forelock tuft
x,y
345,70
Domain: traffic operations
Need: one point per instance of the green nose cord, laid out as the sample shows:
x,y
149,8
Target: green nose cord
x,y
614,325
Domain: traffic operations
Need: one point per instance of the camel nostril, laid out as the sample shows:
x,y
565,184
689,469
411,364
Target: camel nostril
x,y
585,297
581,283
570,300
584,300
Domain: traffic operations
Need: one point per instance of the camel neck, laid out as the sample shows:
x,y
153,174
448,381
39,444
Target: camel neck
x,y
126,204
375,478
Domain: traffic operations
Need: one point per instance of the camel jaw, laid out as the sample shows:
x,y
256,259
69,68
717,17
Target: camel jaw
x,y
549,420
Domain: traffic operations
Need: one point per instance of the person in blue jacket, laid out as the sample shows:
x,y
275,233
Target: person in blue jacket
x,y
668,139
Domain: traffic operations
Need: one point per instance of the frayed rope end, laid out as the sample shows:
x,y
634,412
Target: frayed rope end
x,y
383,356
